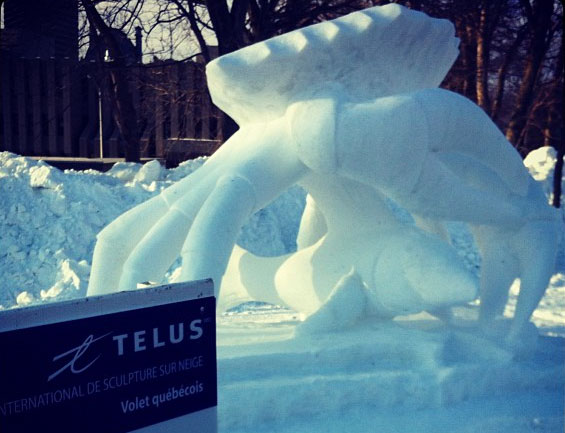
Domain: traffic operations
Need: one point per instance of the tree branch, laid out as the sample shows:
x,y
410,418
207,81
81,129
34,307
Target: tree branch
x,y
191,16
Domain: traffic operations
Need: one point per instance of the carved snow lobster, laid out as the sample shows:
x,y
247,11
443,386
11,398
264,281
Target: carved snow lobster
x,y
350,110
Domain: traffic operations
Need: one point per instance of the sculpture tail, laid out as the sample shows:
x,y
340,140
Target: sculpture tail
x,y
249,278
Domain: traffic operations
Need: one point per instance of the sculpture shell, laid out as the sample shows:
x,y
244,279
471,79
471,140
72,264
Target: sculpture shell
x,y
376,52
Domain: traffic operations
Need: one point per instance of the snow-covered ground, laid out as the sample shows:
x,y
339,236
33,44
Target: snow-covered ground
x,y
410,375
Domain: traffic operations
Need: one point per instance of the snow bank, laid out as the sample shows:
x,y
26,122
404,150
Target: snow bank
x,y
48,224
541,165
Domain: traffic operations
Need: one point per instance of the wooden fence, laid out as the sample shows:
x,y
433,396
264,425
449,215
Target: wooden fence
x,y
53,107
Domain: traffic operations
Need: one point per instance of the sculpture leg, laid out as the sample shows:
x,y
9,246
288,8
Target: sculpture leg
x,y
458,126
497,274
536,247
115,242
390,145
312,225
209,243
157,250
441,193
494,286
247,186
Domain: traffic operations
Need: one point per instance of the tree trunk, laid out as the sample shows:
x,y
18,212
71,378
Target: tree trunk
x,y
539,23
558,176
122,100
554,128
229,27
503,72
469,58
483,42
190,14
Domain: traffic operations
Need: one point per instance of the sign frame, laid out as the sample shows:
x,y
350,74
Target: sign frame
x,y
188,306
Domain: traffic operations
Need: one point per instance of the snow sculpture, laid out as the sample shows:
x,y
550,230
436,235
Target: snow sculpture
x,y
350,110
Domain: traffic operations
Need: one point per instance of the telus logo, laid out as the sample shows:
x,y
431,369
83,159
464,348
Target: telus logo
x,y
139,341
77,353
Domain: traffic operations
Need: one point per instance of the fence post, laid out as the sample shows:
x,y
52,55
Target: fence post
x,y
172,87
191,87
7,138
206,113
35,89
88,133
147,111
21,107
68,107
159,120
110,128
52,115
135,89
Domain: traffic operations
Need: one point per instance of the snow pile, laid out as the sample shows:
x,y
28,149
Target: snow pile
x,y
272,231
541,163
48,225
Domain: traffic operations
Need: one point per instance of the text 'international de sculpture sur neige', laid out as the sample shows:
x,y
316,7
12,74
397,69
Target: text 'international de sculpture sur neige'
x,y
349,109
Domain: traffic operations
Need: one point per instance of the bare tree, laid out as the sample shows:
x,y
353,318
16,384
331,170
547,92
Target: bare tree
x,y
538,16
122,100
